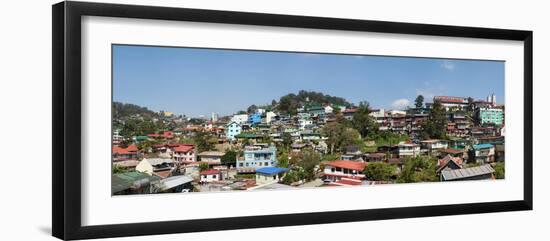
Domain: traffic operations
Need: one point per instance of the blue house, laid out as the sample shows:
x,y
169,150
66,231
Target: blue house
x,y
255,118
232,129
258,156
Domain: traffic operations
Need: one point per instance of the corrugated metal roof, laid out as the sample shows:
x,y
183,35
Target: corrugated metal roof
x,y
175,181
466,172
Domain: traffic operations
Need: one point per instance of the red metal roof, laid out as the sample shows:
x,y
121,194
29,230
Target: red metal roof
x,y
352,165
210,172
119,150
184,148
451,99
132,148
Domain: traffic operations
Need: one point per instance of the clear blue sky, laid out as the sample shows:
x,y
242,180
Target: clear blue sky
x,y
197,82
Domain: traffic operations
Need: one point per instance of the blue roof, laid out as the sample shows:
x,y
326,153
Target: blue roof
x,y
271,170
483,146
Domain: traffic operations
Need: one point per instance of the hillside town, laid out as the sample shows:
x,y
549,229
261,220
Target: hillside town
x,y
307,140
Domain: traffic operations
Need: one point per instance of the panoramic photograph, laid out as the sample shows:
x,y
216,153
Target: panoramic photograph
x,y
190,120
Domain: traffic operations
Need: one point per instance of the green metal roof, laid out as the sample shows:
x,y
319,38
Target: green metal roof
x,y
141,138
247,135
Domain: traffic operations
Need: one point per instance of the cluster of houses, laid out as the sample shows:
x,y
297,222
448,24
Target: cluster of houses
x,y
475,128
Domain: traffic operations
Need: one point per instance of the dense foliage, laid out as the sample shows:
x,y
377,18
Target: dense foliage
x,y
380,171
123,110
418,169
303,167
229,158
203,141
290,102
339,136
363,122
419,101
203,166
499,170
435,127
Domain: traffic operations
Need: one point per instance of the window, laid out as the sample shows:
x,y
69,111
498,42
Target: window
x,y
214,176
265,164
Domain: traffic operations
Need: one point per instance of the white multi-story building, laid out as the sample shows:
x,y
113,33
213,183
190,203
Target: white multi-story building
x,y
452,102
408,150
336,170
214,117
303,122
240,119
184,153
434,145
269,116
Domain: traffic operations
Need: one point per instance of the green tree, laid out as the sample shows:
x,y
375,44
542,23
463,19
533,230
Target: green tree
x,y
363,122
418,169
419,101
282,161
339,136
308,160
333,132
293,175
499,170
229,158
202,141
436,125
336,110
471,104
251,109
138,127
380,171
287,140
349,137
203,166
183,140
266,138
119,169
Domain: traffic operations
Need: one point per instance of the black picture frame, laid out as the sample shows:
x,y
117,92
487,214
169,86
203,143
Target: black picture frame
x,y
66,75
